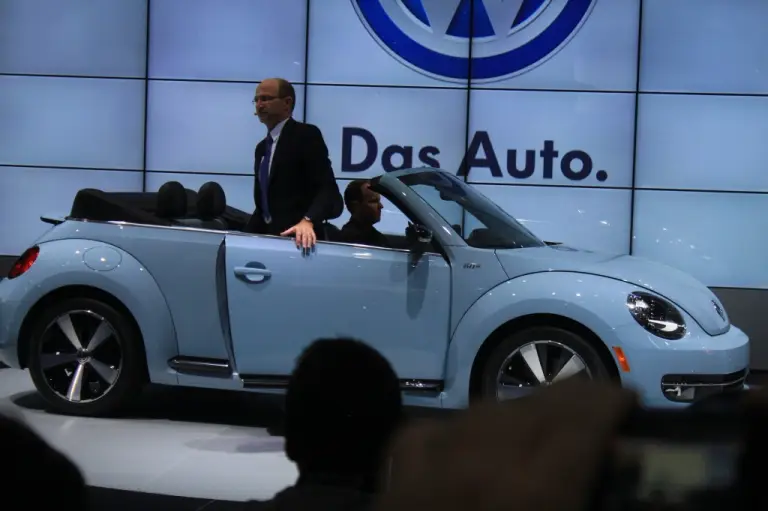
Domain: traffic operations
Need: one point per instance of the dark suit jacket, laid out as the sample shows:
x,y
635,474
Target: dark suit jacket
x,y
315,498
301,181
354,232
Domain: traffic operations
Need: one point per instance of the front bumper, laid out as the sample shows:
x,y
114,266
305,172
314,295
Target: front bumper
x,y
672,374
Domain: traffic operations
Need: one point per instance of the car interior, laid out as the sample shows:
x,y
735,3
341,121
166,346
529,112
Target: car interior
x,y
171,205
174,205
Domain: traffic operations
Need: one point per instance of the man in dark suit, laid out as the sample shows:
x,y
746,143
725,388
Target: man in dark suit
x,y
295,190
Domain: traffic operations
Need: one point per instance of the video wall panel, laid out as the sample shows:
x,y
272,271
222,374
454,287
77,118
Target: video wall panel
x,y
386,128
640,134
704,234
704,46
204,126
359,42
545,138
702,142
242,40
29,193
555,44
106,38
597,219
71,122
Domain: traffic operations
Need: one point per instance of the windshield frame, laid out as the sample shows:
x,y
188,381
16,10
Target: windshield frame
x,y
402,182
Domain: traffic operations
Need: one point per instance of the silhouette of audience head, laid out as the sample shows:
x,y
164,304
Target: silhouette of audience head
x,y
364,204
30,458
342,407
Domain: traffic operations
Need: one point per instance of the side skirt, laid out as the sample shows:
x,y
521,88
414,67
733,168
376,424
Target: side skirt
x,y
221,368
410,386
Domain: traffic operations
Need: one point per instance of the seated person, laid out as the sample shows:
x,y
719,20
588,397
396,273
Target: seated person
x,y
365,207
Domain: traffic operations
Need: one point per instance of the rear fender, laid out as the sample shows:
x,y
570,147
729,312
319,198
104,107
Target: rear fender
x,y
61,264
595,302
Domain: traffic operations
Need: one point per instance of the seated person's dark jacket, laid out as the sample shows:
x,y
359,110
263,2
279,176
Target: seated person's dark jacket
x,y
317,497
363,234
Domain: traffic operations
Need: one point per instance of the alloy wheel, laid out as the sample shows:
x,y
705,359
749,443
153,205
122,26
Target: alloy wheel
x,y
81,356
538,364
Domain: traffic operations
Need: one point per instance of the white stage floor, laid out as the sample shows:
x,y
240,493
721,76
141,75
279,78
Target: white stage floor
x,y
178,442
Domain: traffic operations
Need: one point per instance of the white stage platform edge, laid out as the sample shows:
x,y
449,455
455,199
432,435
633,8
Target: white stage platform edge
x,y
191,458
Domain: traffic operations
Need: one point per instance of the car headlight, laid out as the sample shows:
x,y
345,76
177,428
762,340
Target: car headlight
x,y
656,315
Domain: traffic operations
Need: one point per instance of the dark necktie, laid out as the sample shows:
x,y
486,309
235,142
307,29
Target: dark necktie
x,y
264,179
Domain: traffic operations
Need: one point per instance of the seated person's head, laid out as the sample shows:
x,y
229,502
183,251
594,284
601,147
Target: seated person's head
x,y
364,204
343,405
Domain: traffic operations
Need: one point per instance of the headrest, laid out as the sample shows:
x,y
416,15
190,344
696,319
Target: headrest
x,y
211,201
171,200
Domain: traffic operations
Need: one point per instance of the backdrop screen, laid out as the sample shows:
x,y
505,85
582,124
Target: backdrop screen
x,y
597,123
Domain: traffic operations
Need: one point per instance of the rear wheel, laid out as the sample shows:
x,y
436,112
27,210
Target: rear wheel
x,y
538,357
85,357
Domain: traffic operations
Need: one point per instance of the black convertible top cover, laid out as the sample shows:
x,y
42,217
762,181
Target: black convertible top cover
x,y
93,204
138,207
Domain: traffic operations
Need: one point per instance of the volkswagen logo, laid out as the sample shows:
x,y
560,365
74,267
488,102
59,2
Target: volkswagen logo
x,y
509,37
719,310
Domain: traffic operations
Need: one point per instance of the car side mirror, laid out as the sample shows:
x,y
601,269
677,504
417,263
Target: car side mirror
x,y
418,235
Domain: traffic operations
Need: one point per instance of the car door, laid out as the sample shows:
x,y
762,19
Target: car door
x,y
280,301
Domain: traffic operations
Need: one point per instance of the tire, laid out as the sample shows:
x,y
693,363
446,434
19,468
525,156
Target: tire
x,y
110,375
547,343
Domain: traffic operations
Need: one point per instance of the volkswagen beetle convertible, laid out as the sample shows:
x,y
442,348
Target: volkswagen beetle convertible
x,y
166,288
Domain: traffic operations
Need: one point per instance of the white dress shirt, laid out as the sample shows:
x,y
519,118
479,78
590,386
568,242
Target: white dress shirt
x,y
275,133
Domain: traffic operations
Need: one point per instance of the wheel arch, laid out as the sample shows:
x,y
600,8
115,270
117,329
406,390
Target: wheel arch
x,y
588,305
66,293
59,273
537,320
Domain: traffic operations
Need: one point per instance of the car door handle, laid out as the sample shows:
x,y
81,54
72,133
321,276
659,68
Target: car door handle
x,y
253,274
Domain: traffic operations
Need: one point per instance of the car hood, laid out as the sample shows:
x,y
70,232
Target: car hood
x,y
676,286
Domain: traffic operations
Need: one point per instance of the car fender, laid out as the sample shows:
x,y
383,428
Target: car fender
x,y
70,262
597,303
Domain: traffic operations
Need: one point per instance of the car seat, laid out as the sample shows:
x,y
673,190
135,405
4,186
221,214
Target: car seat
x,y
171,202
331,232
210,206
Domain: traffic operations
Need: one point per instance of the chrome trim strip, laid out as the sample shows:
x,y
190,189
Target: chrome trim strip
x,y
200,366
121,223
710,385
258,381
325,242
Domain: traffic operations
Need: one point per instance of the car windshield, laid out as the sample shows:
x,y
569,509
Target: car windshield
x,y
478,220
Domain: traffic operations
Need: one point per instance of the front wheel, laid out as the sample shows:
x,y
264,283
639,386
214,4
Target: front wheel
x,y
85,357
538,357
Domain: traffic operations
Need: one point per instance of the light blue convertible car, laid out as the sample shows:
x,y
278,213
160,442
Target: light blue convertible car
x,y
165,288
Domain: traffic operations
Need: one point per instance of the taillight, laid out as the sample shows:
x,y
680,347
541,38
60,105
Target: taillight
x,y
24,263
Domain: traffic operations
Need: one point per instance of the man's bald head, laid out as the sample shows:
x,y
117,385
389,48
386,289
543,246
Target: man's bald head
x,y
284,89
275,100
